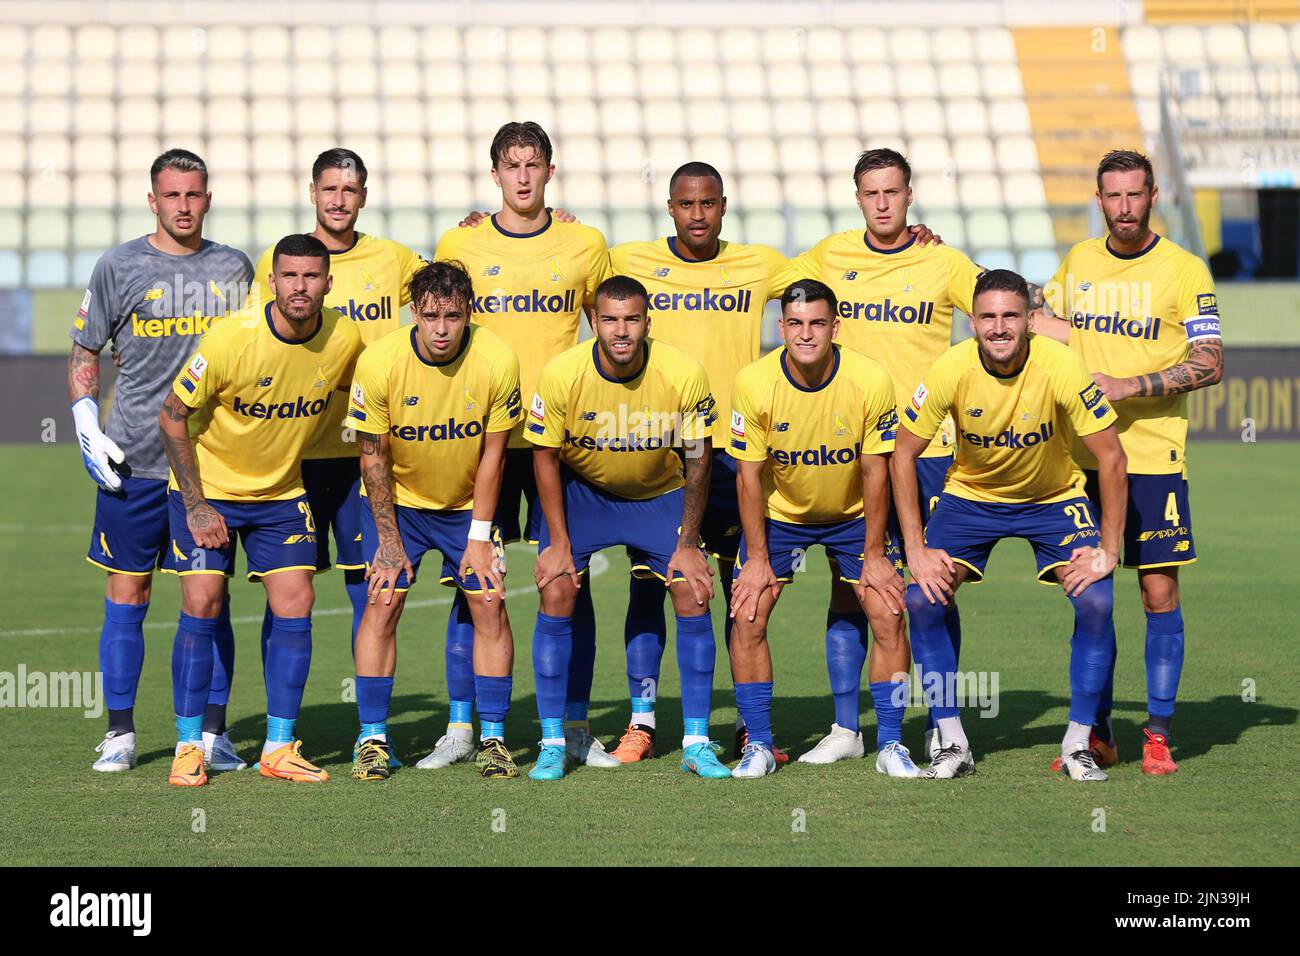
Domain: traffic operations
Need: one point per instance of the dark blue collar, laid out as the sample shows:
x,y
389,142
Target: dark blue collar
x,y
866,237
522,235
595,360
790,378
672,247
464,344
270,324
1133,255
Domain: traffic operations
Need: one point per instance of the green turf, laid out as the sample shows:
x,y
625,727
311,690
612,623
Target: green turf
x,y
1233,802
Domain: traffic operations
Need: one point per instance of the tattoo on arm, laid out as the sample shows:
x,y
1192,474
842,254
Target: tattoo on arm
x,y
1203,367
1036,298
83,373
377,473
697,494
180,453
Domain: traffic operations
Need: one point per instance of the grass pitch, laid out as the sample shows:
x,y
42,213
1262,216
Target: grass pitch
x,y
1232,803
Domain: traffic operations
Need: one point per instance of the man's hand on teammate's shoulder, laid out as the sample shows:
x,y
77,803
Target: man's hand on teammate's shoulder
x,y
933,572
207,526
556,562
1115,389
924,236
481,558
880,575
754,578
474,218
1087,566
389,563
694,567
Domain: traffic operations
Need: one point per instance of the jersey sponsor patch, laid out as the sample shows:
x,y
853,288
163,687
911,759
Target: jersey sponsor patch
x,y
538,409
1206,327
887,425
85,305
918,397
198,364
1091,396
358,395
1207,303
737,424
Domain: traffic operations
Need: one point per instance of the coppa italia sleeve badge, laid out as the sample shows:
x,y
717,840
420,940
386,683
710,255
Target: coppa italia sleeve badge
x,y
538,409
737,424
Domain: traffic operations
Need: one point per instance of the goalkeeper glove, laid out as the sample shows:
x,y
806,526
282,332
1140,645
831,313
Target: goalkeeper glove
x,y
98,451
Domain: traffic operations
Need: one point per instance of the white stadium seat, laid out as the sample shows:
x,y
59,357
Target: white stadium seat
x,y
1024,191
974,154
1184,45
923,118
655,45
406,154
401,116
829,80
952,45
749,117
614,80
959,80
826,45
485,44
836,117
755,152
569,45
629,190
412,228
868,45
488,80
13,40
452,191
453,154
487,114
227,42
233,150
1002,80
979,191
51,40
1009,116
666,154
625,154
873,84
760,191
94,114
578,117
784,45
1268,41
526,44
787,80
740,46
13,77
805,191
443,116
918,81
612,43
182,116
1142,44
138,114
312,77
441,82
538,109
1225,43
269,43
13,155
664,118
966,116
399,43
629,225
313,43
697,45
573,81
1032,227
134,154
439,45
659,81
47,229
994,45
879,118
797,154
742,80
931,154
809,227
909,45
1017,154
793,118
995,258
706,82
94,153
584,192
1039,265
221,78
48,189
620,117
95,228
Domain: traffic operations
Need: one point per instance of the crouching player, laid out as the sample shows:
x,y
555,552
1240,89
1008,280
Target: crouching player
x,y
606,421
812,425
1015,398
432,407
260,383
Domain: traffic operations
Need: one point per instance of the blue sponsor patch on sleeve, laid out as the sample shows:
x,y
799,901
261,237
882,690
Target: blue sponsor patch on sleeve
x,y
536,429
891,435
911,415
1200,328
1091,396
189,386
359,416
737,444
1207,303
1101,411
887,423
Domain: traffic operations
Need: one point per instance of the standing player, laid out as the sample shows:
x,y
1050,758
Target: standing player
x,y
896,298
812,426
371,281
1143,314
432,408
1015,398
707,296
262,380
607,419
533,276
152,298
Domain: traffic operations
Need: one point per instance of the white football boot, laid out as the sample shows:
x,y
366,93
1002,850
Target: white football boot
x,y
951,761
219,753
839,744
586,749
1082,765
894,760
933,743
756,760
118,752
450,749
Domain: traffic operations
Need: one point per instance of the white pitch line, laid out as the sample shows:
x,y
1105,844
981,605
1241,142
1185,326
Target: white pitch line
x,y
599,565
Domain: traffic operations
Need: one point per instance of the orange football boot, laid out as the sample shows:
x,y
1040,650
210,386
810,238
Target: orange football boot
x,y
1155,755
187,767
636,744
288,763
1106,755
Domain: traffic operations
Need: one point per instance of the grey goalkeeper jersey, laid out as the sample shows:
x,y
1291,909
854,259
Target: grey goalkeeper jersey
x,y
154,307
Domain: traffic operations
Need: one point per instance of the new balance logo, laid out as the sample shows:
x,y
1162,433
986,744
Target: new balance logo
x,y
411,400
661,272
264,382
492,271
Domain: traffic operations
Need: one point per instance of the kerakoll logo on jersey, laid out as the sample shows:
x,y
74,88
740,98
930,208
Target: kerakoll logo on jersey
x,y
818,457
920,314
449,430
295,408
367,311
1114,324
706,300
1012,438
161,328
526,303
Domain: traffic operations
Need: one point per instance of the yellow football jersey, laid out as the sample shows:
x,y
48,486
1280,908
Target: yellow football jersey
x,y
895,304
710,309
259,400
530,288
372,282
1013,434
622,436
435,413
1132,315
812,438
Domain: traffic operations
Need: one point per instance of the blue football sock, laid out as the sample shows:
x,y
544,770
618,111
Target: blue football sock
x,y
1090,654
493,703
374,696
354,582
952,622
695,657
755,703
267,620
459,658
552,647
461,712
121,657
1164,655
288,659
846,652
890,699
575,711
192,672
645,633
725,569
279,730
582,658
934,653
1107,702
223,669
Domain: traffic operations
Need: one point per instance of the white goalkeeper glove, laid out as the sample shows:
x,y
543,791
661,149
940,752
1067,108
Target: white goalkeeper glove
x,y
98,451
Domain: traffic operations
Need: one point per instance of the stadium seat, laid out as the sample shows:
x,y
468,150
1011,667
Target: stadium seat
x,y
1039,265
11,270
829,80
988,227
966,116
1009,116
569,46
707,118
846,219
1144,78
630,190
759,191
784,45
48,189
974,154
1225,43
411,228
751,117
793,118
874,85
826,45
134,154
83,265
225,43
625,154
136,222
934,190
441,83
490,80
1017,154
446,116
399,43
960,79
573,81
620,117
47,270
13,155
655,45
585,192
994,44
878,119
222,78
13,40
226,115
920,82
1142,43
94,153
659,81
1024,191
952,45
231,226
452,191
47,229
486,114
313,42
578,117
440,44
803,191
453,154
666,154
839,153
272,225
44,114
1000,80
540,110
741,46
931,154
182,117
49,152
137,79
485,44
525,44
1184,45
664,118
946,223
766,228
923,118
269,43
275,189
95,228
51,40
629,225
1268,41
89,77
744,80
787,80
315,77
808,227
995,258
1032,227
406,154
401,116
909,46
612,43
